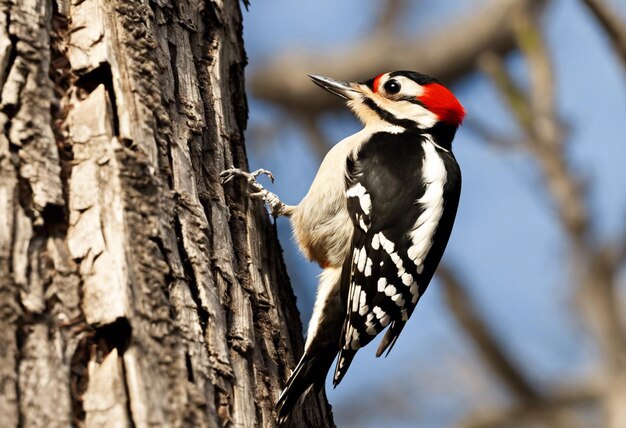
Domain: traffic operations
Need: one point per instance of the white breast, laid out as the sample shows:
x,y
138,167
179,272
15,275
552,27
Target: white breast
x,y
321,224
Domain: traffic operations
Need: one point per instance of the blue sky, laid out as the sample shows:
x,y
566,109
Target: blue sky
x,y
507,242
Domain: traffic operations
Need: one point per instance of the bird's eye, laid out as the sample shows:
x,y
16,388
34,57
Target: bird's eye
x,y
392,87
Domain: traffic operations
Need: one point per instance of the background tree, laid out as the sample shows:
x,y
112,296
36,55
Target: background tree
x,y
134,291
522,367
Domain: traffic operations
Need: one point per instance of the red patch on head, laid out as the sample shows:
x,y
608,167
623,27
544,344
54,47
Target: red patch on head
x,y
376,82
438,99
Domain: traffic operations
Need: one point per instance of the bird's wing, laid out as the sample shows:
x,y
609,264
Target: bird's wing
x,y
395,200
381,199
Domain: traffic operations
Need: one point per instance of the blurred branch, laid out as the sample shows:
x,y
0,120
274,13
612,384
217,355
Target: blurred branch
x,y
621,256
492,64
488,136
612,25
545,131
523,414
317,139
492,351
449,53
503,366
594,269
390,13
563,186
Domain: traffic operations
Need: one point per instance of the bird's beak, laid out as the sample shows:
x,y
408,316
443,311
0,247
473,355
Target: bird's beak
x,y
345,90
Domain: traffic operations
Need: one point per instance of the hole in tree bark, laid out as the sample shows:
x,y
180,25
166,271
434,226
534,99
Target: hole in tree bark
x,y
188,363
203,314
101,75
115,335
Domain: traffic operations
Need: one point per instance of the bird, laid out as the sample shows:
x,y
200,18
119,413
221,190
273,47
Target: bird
x,y
377,219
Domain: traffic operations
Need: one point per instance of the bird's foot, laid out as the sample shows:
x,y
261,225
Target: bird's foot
x,y
277,207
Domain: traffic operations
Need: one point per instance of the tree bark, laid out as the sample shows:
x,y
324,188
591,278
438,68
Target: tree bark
x,y
134,289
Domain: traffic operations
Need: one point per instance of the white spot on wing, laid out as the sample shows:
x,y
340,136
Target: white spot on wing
x,y
386,244
369,324
398,299
375,242
383,317
356,297
361,263
395,258
390,290
364,198
414,293
382,283
362,305
384,321
354,342
368,267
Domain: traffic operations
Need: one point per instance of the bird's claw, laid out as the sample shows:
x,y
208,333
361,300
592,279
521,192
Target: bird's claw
x,y
233,172
260,171
277,208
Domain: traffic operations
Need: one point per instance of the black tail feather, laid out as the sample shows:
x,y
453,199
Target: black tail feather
x,y
391,335
310,371
343,363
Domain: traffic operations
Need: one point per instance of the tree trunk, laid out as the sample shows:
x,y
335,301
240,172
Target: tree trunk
x,y
134,291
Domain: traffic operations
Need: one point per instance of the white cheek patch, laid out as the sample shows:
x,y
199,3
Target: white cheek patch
x,y
402,110
406,110
408,88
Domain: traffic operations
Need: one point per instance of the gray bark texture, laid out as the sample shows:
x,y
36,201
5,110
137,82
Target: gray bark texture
x,y
135,290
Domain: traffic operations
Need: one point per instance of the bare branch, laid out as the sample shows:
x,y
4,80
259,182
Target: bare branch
x,y
447,54
594,267
495,356
488,136
317,139
612,25
524,414
493,65
490,348
621,253
390,13
546,145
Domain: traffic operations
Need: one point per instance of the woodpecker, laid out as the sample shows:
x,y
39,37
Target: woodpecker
x,y
377,219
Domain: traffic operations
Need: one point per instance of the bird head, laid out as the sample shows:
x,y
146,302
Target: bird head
x,y
403,98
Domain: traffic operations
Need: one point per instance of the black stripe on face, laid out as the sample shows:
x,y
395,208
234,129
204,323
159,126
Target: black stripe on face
x,y
369,83
388,117
413,100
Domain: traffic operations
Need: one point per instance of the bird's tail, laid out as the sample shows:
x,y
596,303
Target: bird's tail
x,y
343,363
310,371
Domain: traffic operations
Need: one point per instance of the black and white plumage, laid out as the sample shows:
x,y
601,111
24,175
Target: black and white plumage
x,y
403,193
377,218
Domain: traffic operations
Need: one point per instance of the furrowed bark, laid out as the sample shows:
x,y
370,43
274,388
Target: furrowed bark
x,y
134,288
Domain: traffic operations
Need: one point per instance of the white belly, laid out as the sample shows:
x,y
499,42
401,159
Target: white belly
x,y
321,224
